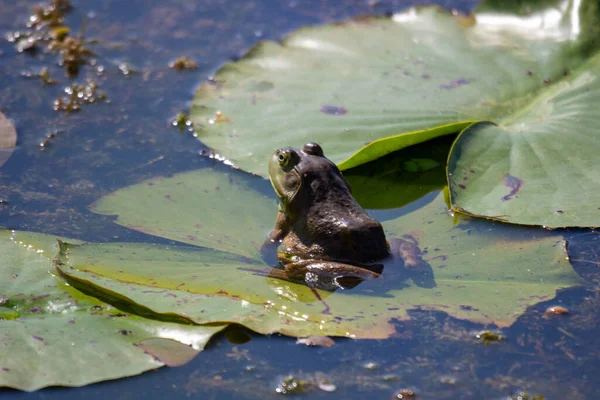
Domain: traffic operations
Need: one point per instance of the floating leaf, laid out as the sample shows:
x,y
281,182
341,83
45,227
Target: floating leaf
x,y
203,209
356,86
481,273
56,335
8,138
400,178
351,83
541,167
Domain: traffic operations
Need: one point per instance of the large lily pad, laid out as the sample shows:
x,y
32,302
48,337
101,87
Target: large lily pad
x,y
482,274
541,167
348,83
51,334
201,209
357,87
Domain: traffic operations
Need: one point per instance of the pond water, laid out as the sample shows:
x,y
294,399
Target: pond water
x,y
111,144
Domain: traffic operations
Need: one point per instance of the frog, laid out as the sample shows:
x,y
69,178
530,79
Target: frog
x,y
328,240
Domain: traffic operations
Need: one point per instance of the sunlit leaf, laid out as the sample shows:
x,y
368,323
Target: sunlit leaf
x,y
203,209
539,167
482,271
357,87
348,84
51,334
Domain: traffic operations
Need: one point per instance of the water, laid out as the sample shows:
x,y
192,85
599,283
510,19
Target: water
x,y
106,146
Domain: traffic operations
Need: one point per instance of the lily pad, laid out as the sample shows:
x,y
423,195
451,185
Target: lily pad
x,y
481,273
52,334
400,178
346,84
202,209
356,87
8,138
541,166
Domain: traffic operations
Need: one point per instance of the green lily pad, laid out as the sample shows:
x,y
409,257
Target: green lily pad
x,y
356,87
541,166
52,334
347,84
202,209
400,178
482,274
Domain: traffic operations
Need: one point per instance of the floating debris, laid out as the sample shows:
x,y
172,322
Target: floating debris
x,y
126,69
322,341
326,386
78,95
46,141
44,74
372,366
554,311
51,14
183,123
292,384
405,394
183,63
489,336
46,29
73,54
218,118
525,396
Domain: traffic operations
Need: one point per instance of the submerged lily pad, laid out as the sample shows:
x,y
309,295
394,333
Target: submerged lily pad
x,y
51,334
356,87
481,273
8,138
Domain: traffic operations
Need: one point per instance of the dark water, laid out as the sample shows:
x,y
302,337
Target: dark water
x,y
106,146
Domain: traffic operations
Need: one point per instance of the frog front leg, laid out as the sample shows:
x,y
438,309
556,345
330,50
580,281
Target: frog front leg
x,y
408,256
268,250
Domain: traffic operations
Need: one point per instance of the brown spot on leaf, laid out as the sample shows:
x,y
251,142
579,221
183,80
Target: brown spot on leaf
x,y
513,183
455,84
334,110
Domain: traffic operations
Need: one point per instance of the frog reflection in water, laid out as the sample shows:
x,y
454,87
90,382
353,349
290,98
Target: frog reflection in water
x,y
329,241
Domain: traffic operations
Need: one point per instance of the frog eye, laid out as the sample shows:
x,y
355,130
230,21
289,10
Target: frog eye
x,y
313,149
287,157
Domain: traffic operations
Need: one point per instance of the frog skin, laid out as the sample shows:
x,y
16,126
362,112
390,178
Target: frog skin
x,y
328,240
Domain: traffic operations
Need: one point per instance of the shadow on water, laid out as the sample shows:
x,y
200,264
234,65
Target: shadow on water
x,y
106,146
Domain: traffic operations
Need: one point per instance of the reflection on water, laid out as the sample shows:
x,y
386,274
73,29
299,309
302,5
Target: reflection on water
x,y
106,146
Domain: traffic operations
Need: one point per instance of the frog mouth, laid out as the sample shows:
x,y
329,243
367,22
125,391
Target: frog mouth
x,y
286,196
